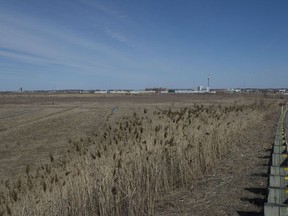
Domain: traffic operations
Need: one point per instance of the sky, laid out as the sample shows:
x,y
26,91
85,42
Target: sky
x,y
134,44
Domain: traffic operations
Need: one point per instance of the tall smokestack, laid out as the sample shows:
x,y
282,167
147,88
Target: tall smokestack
x,y
208,86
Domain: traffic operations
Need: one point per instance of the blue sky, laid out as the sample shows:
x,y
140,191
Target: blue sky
x,y
134,44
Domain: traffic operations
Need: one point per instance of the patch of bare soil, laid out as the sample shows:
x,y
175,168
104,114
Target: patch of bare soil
x,y
237,185
29,136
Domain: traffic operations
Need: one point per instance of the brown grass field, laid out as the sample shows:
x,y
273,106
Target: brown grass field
x,y
135,154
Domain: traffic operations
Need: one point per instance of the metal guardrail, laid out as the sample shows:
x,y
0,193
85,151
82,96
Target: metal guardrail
x,y
277,201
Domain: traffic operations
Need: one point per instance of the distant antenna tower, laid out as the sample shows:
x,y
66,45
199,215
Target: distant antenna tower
x,y
208,84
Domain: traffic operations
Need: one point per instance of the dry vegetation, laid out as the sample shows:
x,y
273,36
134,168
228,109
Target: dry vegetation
x,y
126,168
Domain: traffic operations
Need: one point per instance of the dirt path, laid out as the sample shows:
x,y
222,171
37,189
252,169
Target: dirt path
x,y
236,186
30,138
13,114
32,121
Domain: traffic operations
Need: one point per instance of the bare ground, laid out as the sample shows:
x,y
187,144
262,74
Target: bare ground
x,y
30,137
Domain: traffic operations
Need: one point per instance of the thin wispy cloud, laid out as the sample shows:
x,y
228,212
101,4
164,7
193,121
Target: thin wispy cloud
x,y
113,18
111,12
24,57
119,36
31,41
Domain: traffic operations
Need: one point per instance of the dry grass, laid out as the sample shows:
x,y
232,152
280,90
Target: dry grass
x,y
132,163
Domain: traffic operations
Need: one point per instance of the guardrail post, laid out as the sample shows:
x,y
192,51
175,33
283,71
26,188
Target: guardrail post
x,y
277,201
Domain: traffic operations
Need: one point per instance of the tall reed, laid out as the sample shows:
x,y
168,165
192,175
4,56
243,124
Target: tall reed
x,y
132,163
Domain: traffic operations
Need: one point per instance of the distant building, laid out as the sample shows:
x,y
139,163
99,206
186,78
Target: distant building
x,y
101,92
157,90
185,91
148,92
202,89
118,91
199,88
134,92
233,90
142,92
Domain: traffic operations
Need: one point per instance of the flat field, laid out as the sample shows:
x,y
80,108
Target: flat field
x,y
225,139
33,126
